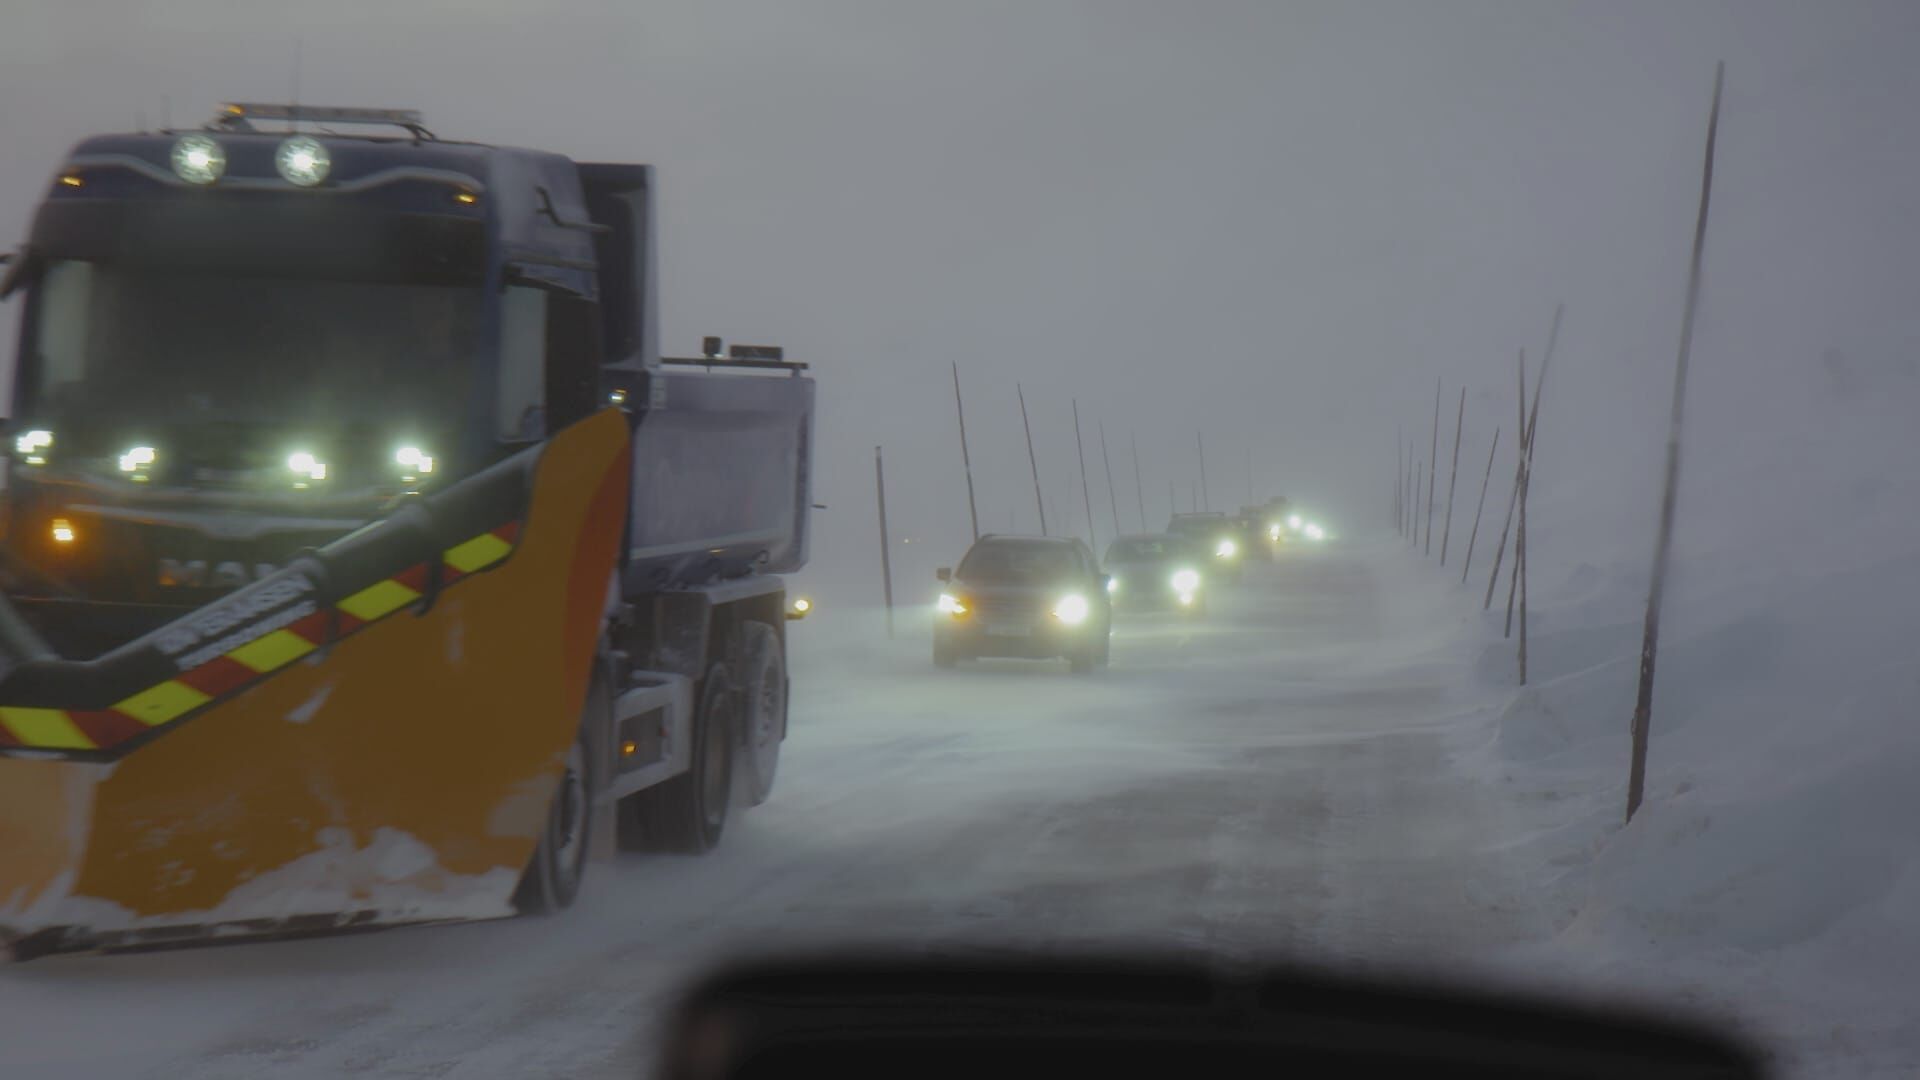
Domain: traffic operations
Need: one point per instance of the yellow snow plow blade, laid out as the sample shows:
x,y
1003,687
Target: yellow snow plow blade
x,y
373,734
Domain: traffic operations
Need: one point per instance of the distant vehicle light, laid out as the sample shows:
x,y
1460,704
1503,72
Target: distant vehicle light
x,y
1186,582
302,161
1273,532
1227,549
33,444
198,159
950,604
1294,522
1315,532
1113,585
62,531
307,466
137,458
1072,609
413,459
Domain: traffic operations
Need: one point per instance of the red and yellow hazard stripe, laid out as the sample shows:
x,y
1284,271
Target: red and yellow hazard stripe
x,y
244,665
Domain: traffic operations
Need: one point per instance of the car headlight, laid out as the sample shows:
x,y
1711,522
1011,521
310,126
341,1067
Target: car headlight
x,y
1227,549
1185,581
137,460
1315,532
1113,585
414,463
306,467
1294,522
1072,609
950,604
32,446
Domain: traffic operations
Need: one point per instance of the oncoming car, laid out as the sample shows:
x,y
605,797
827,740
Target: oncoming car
x,y
1156,573
1221,537
1027,597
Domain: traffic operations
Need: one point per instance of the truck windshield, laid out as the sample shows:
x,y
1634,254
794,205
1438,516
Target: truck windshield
x,y
116,341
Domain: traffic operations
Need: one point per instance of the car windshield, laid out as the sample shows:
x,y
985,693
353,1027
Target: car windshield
x,y
1200,527
1147,549
1017,563
1462,352
112,341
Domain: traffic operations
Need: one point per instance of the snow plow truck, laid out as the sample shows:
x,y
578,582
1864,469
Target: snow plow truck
x,y
364,562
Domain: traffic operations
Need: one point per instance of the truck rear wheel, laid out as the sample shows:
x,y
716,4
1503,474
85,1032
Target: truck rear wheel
x,y
763,712
552,879
689,812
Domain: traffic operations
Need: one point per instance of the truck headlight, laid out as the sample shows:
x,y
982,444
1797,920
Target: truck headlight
x,y
1072,609
302,161
1227,549
198,159
1185,581
950,604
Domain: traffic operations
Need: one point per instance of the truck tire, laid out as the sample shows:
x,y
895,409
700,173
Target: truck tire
x,y
763,708
552,880
688,813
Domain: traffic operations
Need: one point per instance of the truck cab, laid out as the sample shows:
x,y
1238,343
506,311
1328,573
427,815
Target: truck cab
x,y
238,343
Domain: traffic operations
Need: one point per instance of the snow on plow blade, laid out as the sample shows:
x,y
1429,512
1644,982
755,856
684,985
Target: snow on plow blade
x,y
373,734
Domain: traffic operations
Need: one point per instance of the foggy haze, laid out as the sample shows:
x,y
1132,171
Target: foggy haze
x,y
1276,224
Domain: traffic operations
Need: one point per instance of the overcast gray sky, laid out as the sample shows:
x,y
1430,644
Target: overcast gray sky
x,y
1274,222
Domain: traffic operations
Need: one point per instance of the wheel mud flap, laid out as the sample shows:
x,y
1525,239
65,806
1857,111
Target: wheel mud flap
x,y
388,756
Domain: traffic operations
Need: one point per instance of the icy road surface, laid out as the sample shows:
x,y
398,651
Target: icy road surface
x,y
1280,778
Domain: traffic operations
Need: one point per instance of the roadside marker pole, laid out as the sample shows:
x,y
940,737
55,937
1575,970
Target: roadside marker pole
x,y
1650,643
1484,481
966,461
1513,500
1139,490
1086,495
1039,503
886,554
1453,476
1113,501
1433,462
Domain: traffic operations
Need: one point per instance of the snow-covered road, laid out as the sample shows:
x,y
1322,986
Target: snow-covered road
x,y
1280,779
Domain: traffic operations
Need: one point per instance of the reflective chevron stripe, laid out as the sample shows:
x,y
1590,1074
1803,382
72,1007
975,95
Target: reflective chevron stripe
x,y
90,731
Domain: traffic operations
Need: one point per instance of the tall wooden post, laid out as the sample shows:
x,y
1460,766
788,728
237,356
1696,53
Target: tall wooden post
x,y
1433,464
1453,476
1113,501
1139,489
1467,564
1039,503
886,546
966,460
1207,495
1513,500
1650,641
1080,446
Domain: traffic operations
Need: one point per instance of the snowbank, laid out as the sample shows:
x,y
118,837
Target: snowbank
x,y
1774,870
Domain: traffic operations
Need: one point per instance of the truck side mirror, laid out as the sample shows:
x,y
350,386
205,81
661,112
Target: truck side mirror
x,y
945,573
